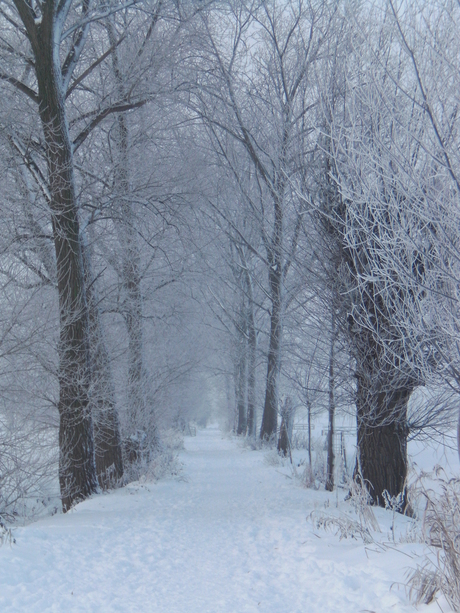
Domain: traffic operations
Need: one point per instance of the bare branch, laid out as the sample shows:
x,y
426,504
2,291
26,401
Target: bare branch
x,y
20,86
120,107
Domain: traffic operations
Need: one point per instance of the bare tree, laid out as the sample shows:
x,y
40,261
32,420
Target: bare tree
x,y
46,43
263,111
377,190
44,31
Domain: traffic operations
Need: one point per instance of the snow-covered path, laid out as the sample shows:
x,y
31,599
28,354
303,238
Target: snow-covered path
x,y
231,537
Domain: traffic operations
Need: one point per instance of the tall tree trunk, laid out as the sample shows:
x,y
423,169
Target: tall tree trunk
x,y
252,357
77,474
107,438
458,434
331,412
270,415
241,381
141,420
382,438
286,428
384,384
229,399
275,281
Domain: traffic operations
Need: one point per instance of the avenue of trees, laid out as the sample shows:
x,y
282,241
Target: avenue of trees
x,y
249,203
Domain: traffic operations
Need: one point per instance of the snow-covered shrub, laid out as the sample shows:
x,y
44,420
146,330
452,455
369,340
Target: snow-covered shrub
x,y
173,439
28,470
441,527
154,463
395,504
312,476
273,458
308,477
423,583
319,462
412,533
163,465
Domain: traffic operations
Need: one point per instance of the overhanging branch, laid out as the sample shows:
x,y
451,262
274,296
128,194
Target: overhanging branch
x,y
20,85
116,108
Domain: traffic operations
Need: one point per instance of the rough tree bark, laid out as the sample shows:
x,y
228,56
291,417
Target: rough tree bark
x,y
77,469
382,438
385,380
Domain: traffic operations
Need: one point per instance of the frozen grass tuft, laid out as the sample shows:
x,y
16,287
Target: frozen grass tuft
x,y
441,527
360,501
423,584
345,526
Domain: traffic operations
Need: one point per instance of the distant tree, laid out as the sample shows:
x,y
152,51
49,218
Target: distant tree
x,y
256,99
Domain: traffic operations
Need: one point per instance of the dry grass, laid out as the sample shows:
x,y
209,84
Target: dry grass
x,y
441,526
346,527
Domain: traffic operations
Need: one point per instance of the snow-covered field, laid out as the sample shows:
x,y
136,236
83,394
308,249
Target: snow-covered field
x,y
230,536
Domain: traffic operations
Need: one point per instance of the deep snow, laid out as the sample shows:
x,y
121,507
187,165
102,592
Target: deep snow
x,y
230,536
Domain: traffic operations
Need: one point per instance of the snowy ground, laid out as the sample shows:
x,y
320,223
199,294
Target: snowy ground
x,y
231,536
